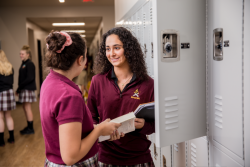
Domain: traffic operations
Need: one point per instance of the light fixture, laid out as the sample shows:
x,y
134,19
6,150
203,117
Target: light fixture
x,y
77,31
120,22
83,35
68,24
61,1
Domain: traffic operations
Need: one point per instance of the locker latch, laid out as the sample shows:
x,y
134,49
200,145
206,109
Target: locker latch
x,y
226,43
185,45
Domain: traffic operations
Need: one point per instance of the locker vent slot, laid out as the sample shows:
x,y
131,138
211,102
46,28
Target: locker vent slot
x,y
171,112
193,154
218,116
176,147
144,20
151,16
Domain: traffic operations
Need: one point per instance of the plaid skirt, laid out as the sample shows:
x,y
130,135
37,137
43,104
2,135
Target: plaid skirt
x,y
7,100
148,164
27,96
91,162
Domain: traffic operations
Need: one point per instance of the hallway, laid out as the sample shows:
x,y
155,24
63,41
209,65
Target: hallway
x,y
28,150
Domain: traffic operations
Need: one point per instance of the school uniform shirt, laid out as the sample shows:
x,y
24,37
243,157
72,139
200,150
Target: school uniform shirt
x,y
26,78
61,102
105,100
6,82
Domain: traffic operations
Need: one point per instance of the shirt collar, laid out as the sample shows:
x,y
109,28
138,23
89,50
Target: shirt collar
x,y
113,76
64,79
26,61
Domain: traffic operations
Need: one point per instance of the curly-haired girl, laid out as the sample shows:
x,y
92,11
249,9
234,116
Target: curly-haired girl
x,y
121,84
69,135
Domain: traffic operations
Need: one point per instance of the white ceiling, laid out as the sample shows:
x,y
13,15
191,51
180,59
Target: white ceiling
x,y
6,3
91,23
90,27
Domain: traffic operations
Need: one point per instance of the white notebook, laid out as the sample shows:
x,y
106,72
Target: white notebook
x,y
128,125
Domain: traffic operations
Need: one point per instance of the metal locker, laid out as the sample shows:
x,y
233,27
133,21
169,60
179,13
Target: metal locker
x,y
155,151
140,27
247,80
179,154
223,160
166,159
146,36
179,39
151,39
198,152
225,63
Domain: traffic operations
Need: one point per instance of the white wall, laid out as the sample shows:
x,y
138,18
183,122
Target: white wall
x,y
39,34
13,31
122,7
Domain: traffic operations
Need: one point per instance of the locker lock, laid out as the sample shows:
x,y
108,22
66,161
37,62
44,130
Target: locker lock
x,y
219,46
170,40
168,47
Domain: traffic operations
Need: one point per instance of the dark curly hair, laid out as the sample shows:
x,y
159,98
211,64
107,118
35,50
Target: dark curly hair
x,y
132,52
69,54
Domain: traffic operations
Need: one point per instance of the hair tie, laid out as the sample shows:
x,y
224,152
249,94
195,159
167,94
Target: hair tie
x,y
68,41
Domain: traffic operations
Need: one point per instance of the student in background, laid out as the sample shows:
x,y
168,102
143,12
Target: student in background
x,y
7,98
121,84
69,135
26,87
81,81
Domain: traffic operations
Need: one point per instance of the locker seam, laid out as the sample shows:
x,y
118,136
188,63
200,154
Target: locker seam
x,y
207,84
243,111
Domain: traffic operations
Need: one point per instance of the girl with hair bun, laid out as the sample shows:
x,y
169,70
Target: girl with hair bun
x,y
69,135
7,98
121,84
26,87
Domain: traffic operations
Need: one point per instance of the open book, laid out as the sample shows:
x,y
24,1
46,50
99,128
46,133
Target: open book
x,y
146,111
128,125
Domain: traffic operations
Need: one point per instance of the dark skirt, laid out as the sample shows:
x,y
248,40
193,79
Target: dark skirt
x,y
27,96
7,100
91,162
148,164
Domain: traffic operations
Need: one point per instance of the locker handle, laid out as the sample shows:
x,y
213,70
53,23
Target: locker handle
x,y
145,50
152,50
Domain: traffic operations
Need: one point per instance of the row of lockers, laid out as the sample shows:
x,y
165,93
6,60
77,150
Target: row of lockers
x,y
194,50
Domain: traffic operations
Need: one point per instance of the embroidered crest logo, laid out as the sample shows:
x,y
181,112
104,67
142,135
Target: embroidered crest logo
x,y
136,95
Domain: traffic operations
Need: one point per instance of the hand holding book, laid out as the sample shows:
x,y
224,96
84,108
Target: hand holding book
x,y
131,121
139,123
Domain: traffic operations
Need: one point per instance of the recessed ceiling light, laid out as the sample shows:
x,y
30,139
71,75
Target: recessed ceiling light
x,y
68,24
83,35
61,1
77,31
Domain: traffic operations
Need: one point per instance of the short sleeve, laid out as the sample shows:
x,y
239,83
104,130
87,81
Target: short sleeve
x,y
70,109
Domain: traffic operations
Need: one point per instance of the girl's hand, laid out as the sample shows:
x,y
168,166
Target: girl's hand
x,y
139,123
116,136
107,128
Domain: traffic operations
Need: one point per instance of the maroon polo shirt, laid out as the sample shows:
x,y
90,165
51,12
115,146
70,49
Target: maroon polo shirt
x,y
105,100
61,102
